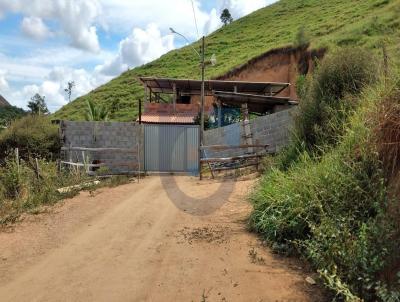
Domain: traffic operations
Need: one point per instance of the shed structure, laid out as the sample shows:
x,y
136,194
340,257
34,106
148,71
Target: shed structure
x,y
169,100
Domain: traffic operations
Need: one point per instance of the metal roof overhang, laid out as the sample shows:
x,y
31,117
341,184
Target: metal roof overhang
x,y
256,103
149,118
166,85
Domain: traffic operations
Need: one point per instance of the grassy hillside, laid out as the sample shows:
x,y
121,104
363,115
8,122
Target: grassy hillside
x,y
363,23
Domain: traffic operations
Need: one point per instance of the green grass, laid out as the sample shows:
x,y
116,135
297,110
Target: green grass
x,y
330,198
364,23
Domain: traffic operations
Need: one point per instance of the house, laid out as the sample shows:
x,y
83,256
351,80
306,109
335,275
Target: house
x,y
178,101
264,84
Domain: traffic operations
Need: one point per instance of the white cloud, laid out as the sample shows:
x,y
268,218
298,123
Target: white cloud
x,y
122,15
35,73
76,18
212,23
35,28
54,84
140,47
3,81
37,64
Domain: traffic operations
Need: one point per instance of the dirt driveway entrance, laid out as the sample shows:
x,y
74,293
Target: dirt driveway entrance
x,y
131,243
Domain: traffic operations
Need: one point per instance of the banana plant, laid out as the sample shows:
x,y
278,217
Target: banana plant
x,y
96,113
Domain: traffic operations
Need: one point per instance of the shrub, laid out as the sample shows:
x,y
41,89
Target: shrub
x,y
301,39
34,136
329,95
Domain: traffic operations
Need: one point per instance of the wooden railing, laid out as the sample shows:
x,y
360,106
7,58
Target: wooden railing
x,y
212,161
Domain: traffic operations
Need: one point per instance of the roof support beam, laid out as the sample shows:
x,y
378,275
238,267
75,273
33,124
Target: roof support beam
x,y
175,96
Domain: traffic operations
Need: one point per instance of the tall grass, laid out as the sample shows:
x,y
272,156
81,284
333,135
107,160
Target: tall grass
x,y
329,199
24,188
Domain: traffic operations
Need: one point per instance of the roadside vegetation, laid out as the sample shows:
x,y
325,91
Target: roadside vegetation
x,y
35,137
333,195
30,173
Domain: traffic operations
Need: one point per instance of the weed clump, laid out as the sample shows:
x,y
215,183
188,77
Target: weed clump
x,y
28,184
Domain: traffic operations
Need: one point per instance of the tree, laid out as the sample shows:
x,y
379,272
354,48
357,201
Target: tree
x,y
96,113
37,105
226,17
68,90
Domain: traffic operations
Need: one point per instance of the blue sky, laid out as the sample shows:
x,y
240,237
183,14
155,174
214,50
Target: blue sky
x,y
46,43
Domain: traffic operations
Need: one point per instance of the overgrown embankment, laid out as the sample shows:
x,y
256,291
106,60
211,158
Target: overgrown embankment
x,y
329,196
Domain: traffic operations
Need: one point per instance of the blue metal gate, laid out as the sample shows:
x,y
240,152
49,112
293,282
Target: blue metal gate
x,y
171,148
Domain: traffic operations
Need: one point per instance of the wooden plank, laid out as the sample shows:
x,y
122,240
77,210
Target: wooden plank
x,y
82,164
140,111
99,149
226,147
246,126
115,164
175,96
229,159
236,167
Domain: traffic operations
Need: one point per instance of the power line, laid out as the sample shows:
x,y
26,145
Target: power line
x,y
195,21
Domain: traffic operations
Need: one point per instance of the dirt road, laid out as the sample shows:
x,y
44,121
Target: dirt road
x,y
131,243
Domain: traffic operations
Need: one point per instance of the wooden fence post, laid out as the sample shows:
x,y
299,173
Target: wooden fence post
x,y
37,168
139,159
385,63
17,159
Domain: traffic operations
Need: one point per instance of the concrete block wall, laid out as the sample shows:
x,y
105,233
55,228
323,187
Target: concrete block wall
x,y
272,129
104,135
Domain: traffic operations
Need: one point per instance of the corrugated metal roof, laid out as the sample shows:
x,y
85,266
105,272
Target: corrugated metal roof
x,y
180,118
165,85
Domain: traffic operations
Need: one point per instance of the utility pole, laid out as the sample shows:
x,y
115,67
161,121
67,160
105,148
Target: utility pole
x,y
203,66
202,93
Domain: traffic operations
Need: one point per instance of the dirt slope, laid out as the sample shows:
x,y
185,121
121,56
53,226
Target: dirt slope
x,y
132,244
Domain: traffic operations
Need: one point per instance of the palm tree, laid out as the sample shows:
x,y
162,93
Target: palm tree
x,y
96,113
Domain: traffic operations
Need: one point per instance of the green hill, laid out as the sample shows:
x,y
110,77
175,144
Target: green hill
x,y
365,23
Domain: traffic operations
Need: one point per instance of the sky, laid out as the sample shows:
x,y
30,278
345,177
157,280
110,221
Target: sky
x,y
44,44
